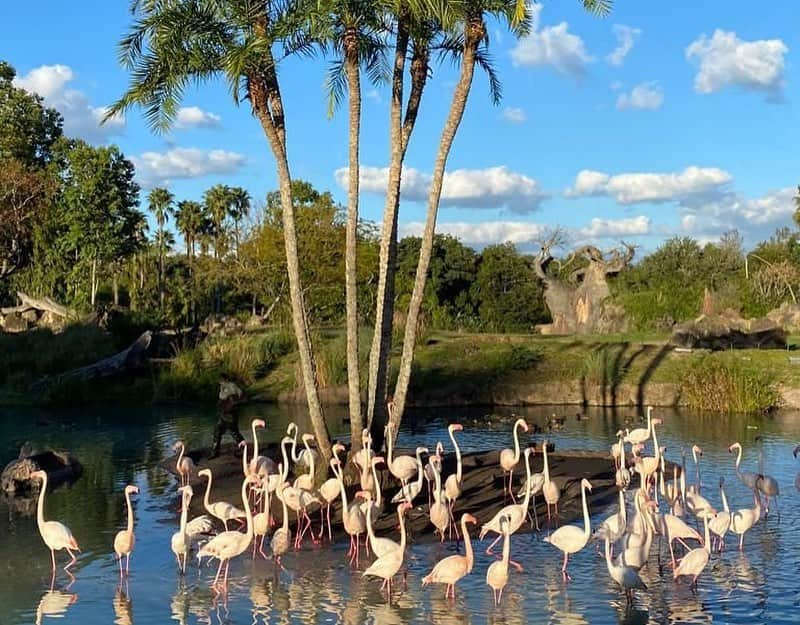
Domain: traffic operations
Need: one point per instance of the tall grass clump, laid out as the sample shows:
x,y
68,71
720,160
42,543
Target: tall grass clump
x,y
604,368
720,383
194,373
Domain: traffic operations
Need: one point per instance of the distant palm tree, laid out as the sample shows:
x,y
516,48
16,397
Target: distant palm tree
x,y
189,221
218,200
160,201
238,209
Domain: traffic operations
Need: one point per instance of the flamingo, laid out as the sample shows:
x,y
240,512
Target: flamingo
x,y
452,485
647,465
536,485
695,562
298,499
624,575
515,513
509,458
746,478
303,457
622,477
328,492
409,491
260,465
221,510
453,568
497,573
55,535
187,537
380,545
402,467
721,523
636,546
745,518
640,435
282,537
614,527
439,511
229,544
550,490
434,464
184,465
353,518
363,457
569,538
767,484
675,529
125,539
387,566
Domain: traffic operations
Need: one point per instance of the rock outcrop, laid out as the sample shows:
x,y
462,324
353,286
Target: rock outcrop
x,y
728,330
61,466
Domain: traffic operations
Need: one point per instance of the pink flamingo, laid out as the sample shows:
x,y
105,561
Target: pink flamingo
x,y
450,570
509,458
387,566
55,535
184,465
125,539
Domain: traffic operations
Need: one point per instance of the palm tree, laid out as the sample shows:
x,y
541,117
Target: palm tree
x,y
160,201
174,44
354,30
417,26
218,200
468,16
238,209
189,221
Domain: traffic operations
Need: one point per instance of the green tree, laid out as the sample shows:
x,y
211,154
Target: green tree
x,y
174,44
238,210
160,202
218,201
189,217
28,130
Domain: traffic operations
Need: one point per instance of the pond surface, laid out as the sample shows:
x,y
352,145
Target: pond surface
x,y
124,444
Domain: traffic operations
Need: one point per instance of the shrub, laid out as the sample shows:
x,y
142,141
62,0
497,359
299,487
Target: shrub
x,y
604,367
721,383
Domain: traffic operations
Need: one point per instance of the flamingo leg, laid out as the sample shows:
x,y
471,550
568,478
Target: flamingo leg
x,y
219,570
330,535
489,548
127,564
564,567
71,562
510,483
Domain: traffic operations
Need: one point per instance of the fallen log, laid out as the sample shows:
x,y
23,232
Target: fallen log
x,y
127,360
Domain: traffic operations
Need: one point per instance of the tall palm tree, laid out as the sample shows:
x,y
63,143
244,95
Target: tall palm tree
x,y
354,30
469,17
160,201
415,25
174,44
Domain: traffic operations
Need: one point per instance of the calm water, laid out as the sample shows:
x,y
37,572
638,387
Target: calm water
x,y
120,445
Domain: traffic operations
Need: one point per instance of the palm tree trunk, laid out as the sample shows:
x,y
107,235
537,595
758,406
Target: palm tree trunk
x,y
473,34
267,103
384,309
351,243
93,285
115,286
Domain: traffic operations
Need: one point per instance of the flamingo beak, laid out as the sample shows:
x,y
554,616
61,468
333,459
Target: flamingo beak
x,y
458,427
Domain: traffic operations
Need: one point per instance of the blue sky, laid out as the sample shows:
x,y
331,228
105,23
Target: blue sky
x,y
660,119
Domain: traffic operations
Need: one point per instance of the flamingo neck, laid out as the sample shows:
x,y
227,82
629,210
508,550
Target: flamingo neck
x,y
184,512
311,460
609,562
40,503
390,449
724,498
370,529
527,498
468,544
587,530
458,456
506,547
285,468
438,481
377,486
420,469
516,443
402,519
208,492
343,491
245,463
295,455
738,457
623,513
180,456
546,464
248,512
130,511
707,536
655,442
285,525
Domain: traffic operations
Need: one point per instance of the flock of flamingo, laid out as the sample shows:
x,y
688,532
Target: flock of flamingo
x,y
627,541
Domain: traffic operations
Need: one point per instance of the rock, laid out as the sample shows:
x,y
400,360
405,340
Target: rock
x,y
787,316
60,467
15,323
30,316
728,330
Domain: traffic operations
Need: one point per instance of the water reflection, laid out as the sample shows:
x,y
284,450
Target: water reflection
x,y
123,607
54,604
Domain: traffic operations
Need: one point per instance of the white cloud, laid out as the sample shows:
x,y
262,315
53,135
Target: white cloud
x,y
81,118
157,168
514,115
195,117
647,96
732,210
629,226
493,187
482,233
552,45
632,188
626,37
725,60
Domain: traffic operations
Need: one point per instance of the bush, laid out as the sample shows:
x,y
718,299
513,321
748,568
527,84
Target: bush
x,y
604,367
722,383
126,327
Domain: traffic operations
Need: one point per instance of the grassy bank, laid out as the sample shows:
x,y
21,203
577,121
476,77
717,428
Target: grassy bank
x,y
450,368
